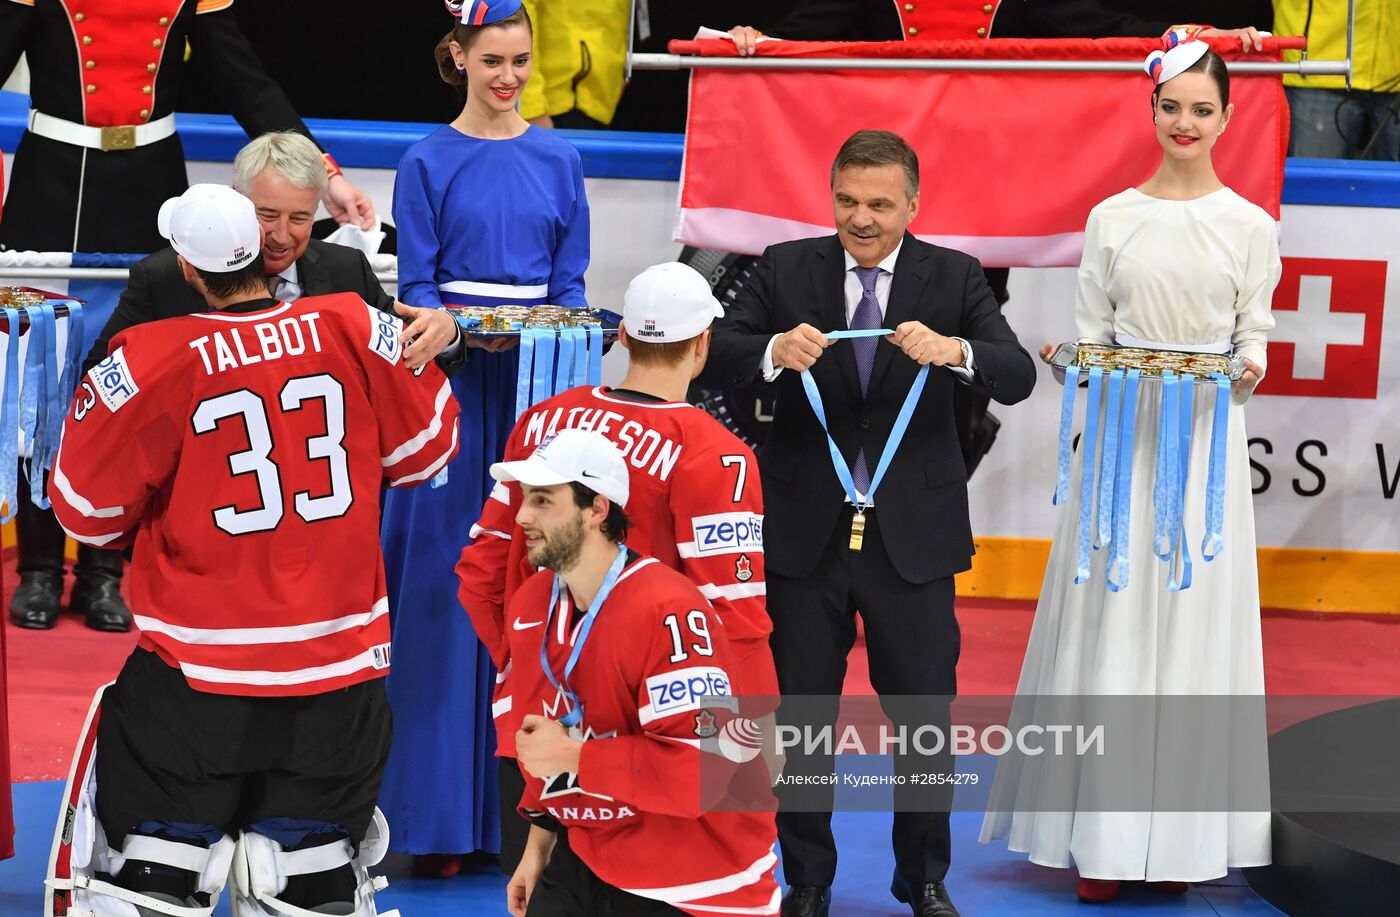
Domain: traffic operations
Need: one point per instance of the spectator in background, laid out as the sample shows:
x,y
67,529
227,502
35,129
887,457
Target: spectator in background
x,y
1329,120
490,209
580,59
1147,19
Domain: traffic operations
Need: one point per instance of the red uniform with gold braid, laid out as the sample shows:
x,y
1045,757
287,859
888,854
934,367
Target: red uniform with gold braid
x,y
885,20
101,155
927,20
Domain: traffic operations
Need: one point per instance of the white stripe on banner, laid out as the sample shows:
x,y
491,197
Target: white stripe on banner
x,y
750,233
246,636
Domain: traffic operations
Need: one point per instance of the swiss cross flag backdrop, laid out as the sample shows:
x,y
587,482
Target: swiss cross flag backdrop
x,y
1011,162
1327,340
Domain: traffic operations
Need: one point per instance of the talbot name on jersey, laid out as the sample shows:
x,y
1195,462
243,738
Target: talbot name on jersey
x,y
685,689
644,448
727,533
112,378
264,341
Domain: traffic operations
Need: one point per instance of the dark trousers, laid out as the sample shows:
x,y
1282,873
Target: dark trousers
x,y
169,753
41,540
568,888
515,829
912,642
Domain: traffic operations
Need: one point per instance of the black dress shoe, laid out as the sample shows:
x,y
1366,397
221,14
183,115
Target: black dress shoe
x,y
98,598
807,901
35,602
929,899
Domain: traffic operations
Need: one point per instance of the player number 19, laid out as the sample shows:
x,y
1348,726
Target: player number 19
x,y
699,628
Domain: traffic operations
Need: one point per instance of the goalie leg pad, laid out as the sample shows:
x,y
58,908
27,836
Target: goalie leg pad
x,y
324,875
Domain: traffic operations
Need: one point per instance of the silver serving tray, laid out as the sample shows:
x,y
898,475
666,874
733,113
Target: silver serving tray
x,y
1067,355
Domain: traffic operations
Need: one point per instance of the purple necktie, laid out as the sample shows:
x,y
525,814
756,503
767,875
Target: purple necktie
x,y
867,316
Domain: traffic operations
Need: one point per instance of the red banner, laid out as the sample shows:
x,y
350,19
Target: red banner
x,y
1011,162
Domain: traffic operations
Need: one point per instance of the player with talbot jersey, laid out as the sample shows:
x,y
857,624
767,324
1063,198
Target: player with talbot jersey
x,y
246,734
620,666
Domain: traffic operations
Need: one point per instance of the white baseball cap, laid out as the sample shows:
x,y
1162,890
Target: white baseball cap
x,y
213,226
668,302
572,455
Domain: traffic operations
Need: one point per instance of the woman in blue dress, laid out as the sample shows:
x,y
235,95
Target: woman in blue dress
x,y
489,210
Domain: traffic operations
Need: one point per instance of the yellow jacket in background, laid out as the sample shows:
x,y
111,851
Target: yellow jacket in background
x,y
1376,55
579,58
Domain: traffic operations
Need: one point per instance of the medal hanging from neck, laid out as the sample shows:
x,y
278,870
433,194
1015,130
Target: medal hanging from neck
x,y
838,461
561,685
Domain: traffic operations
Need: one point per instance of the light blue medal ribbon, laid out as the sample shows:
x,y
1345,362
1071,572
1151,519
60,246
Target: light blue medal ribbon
x,y
1088,443
1116,570
564,373
62,396
595,354
9,419
1164,480
542,381
72,361
1214,540
1066,428
579,375
35,395
575,714
1186,423
901,426
1108,460
523,374
845,333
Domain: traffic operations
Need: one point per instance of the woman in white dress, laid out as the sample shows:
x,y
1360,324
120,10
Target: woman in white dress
x,y
1182,263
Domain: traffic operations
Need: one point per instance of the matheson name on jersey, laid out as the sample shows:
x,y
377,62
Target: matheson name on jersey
x,y
232,347
644,448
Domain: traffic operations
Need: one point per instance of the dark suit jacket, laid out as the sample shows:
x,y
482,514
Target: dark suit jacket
x,y
921,506
157,290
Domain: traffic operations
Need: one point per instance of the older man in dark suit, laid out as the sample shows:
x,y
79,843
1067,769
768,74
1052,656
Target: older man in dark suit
x,y
282,174
834,548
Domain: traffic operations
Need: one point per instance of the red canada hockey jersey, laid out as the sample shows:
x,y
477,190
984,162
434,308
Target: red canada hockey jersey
x,y
244,452
634,809
696,505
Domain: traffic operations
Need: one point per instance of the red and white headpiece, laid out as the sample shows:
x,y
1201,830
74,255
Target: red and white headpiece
x,y
1178,55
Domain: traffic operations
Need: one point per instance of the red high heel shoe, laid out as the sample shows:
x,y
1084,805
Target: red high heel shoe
x,y
1097,891
437,865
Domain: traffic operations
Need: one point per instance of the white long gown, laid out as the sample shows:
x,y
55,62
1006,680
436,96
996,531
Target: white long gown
x,y
1191,274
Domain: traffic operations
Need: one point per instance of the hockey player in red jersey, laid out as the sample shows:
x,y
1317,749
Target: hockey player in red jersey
x,y
697,503
616,659
242,452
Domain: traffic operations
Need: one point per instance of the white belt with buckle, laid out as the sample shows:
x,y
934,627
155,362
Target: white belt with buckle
x,y
116,137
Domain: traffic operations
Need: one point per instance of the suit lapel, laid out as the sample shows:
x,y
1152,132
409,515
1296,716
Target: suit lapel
x,y
310,274
911,274
829,294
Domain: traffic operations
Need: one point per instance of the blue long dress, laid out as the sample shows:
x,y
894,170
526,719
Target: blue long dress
x,y
479,221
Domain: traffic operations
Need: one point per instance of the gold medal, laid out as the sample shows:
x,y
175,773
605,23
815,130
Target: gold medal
x,y
857,530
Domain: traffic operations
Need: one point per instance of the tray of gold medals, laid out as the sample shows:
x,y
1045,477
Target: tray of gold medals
x,y
1152,363
508,320
22,297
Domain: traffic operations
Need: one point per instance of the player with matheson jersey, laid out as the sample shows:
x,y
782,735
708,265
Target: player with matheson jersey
x,y
242,451
697,503
618,660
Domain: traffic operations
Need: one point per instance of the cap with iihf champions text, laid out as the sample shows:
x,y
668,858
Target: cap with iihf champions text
x,y
213,227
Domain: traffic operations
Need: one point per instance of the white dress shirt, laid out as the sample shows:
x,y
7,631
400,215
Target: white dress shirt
x,y
853,292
